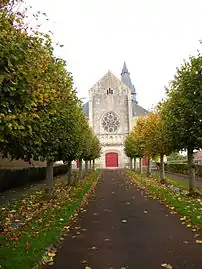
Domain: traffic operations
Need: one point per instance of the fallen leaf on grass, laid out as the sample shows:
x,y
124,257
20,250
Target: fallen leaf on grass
x,y
87,267
51,254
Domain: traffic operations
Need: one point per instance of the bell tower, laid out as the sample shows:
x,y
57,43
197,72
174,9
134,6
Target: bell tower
x,y
125,78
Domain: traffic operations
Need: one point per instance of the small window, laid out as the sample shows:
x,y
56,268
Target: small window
x,y
110,91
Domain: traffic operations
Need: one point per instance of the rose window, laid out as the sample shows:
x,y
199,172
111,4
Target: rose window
x,y
110,122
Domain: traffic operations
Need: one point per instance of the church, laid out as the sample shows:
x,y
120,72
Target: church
x,y
112,111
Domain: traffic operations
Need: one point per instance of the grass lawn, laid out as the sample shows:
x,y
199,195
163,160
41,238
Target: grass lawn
x,y
32,224
189,208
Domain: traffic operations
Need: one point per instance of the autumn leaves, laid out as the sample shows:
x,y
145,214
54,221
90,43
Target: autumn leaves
x,y
175,124
41,115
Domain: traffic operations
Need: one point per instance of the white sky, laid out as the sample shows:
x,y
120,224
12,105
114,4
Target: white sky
x,y
152,36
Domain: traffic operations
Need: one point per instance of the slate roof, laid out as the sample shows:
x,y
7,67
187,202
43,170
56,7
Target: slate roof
x,y
138,111
86,109
125,78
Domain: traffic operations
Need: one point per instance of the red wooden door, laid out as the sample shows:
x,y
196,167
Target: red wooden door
x,y
111,159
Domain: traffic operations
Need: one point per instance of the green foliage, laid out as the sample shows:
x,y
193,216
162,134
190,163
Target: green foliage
x,y
29,81
182,112
132,147
14,178
176,156
95,148
92,148
41,115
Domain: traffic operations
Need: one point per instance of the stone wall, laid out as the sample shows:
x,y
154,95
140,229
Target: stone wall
x,y
110,95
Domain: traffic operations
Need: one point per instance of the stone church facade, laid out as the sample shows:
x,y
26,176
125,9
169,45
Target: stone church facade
x,y
112,111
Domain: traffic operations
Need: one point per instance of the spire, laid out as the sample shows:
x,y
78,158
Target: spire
x,y
125,69
125,78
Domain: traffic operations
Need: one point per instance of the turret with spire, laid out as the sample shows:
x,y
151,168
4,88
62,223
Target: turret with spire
x,y
125,78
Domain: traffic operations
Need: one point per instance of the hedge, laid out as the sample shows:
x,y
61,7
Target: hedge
x,y
14,178
181,168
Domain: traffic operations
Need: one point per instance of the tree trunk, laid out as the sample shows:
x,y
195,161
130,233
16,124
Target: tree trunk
x,y
86,168
191,167
131,163
93,165
80,169
135,164
49,176
149,167
162,170
140,165
90,164
69,165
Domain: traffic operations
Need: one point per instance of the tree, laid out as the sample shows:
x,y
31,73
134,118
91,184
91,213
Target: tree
x,y
140,139
95,150
26,93
135,144
156,140
182,111
91,148
131,148
40,113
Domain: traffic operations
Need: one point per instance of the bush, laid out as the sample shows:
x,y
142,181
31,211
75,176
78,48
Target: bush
x,y
14,178
182,168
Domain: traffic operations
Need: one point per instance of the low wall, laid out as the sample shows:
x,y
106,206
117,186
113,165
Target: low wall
x,y
14,178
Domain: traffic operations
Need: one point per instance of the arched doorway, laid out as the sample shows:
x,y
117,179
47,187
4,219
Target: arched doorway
x,y
111,159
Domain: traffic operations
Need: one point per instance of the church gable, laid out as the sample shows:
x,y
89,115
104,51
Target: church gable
x,y
109,83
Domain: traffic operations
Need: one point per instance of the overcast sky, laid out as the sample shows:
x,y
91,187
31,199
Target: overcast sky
x,y
152,36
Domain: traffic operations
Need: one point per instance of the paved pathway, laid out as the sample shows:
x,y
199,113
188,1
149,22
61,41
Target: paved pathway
x,y
122,228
